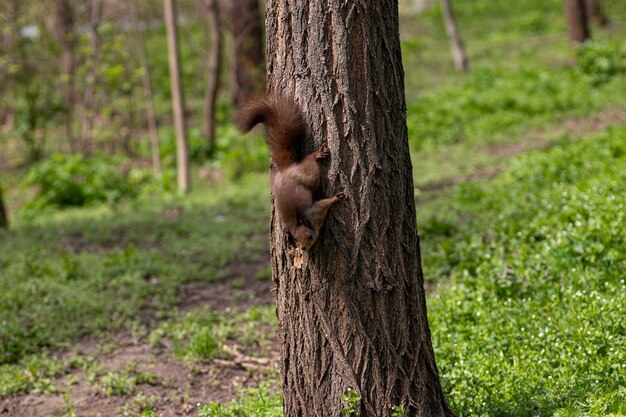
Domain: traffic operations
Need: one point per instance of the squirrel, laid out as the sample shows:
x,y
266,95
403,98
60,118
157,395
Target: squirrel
x,y
294,180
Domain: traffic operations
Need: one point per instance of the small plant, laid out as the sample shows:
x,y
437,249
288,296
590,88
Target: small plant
x,y
601,61
140,403
398,411
149,413
117,384
204,345
350,403
253,402
69,407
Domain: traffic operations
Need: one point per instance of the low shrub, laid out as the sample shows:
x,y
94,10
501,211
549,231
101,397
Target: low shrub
x,y
65,180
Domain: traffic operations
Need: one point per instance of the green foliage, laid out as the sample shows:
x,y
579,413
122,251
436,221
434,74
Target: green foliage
x,y
33,374
84,271
72,180
17,340
350,401
260,402
494,104
200,335
530,320
602,61
240,155
123,383
398,411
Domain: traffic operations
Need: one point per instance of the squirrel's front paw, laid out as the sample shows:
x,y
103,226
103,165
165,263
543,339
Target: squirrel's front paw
x,y
323,152
340,195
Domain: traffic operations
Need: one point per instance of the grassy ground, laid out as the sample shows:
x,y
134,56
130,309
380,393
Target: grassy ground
x,y
157,302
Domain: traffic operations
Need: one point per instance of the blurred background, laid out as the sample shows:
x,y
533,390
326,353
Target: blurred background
x,y
130,285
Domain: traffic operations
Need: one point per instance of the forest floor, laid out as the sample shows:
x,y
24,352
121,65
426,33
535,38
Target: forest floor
x,y
126,372
154,377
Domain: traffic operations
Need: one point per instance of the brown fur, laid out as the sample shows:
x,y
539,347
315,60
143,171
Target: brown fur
x,y
294,181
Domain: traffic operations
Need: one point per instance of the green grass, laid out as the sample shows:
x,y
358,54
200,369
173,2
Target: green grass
x,y
77,272
202,334
529,317
492,106
497,34
260,402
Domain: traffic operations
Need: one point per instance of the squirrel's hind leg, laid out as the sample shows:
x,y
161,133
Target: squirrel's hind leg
x,y
320,209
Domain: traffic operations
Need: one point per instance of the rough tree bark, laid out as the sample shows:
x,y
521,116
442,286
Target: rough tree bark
x,y
354,316
593,10
214,67
178,101
4,218
577,22
153,128
86,126
461,62
66,22
247,61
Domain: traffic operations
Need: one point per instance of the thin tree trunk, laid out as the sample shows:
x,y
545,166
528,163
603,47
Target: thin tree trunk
x,y
153,128
577,22
9,36
214,67
4,218
247,61
593,9
461,61
128,115
67,34
354,315
178,101
86,128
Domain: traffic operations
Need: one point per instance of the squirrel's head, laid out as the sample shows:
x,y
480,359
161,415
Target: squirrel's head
x,y
305,237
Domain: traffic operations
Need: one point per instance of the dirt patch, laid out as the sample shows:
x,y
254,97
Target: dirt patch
x,y
246,286
177,392
179,387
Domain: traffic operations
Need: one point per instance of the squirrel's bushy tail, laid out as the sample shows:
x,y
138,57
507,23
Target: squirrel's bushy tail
x,y
284,125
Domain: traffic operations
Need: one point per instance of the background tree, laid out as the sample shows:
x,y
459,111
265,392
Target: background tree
x,y
66,26
214,70
148,96
178,101
595,14
354,316
95,17
577,22
247,60
461,62
4,218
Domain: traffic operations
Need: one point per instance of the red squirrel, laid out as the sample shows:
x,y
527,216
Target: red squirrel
x,y
294,179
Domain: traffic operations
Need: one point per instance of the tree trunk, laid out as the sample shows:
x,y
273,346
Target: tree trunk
x,y
178,101
153,129
456,44
247,62
593,10
86,128
9,36
577,23
4,218
66,22
354,315
214,67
